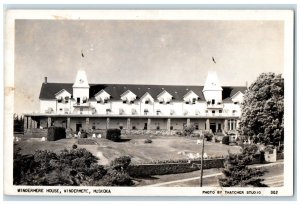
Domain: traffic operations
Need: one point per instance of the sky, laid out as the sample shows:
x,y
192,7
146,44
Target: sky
x,y
142,52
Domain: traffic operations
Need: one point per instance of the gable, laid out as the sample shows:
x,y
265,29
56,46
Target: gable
x,y
102,94
190,96
62,94
128,95
164,96
147,97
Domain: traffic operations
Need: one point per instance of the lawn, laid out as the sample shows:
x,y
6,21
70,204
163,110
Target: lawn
x,y
161,148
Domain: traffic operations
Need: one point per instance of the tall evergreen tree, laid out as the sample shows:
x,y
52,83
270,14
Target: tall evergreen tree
x,y
263,110
238,174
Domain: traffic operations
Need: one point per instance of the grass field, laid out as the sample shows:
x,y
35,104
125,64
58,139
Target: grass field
x,y
161,148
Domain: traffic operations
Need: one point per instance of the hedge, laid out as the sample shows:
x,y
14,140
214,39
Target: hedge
x,y
225,140
56,133
113,135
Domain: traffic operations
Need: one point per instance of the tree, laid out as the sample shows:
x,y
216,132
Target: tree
x,y
237,173
18,123
263,110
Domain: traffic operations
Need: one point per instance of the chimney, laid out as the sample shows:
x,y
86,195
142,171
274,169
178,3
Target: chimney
x,y
45,80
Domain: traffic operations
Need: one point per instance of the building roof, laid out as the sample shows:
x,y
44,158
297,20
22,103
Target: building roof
x,y
48,90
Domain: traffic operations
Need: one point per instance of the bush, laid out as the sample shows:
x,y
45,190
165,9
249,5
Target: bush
x,y
188,130
208,136
75,167
225,140
121,163
56,133
195,135
147,141
113,135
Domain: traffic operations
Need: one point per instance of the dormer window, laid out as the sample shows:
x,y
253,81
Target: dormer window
x,y
59,100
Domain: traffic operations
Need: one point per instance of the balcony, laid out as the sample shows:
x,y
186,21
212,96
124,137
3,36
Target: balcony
x,y
215,106
87,104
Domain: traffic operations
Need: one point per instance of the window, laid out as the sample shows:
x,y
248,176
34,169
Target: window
x,y
171,128
105,101
60,109
213,112
133,127
196,127
98,101
147,102
59,100
93,127
167,102
78,100
66,99
213,101
124,101
220,111
161,102
157,127
131,102
236,103
84,100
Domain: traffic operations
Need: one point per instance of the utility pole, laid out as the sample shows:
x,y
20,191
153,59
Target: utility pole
x,y
201,168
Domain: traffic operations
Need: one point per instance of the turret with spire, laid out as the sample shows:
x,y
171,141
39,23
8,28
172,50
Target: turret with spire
x,y
212,88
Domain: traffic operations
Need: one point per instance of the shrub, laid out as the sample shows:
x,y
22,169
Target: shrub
x,y
56,133
113,135
188,130
68,168
195,135
121,163
208,136
147,141
225,140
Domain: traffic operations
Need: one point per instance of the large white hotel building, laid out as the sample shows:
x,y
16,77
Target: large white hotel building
x,y
81,105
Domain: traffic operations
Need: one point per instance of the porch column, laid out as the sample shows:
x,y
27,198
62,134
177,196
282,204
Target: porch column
x,y
168,124
230,125
29,123
148,123
128,123
68,123
49,122
87,123
207,125
25,124
188,122
107,123
234,124
226,125
237,124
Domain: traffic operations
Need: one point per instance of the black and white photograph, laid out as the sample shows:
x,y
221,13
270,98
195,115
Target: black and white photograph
x,y
149,102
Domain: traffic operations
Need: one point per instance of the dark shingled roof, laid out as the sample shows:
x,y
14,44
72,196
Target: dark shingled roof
x,y
48,90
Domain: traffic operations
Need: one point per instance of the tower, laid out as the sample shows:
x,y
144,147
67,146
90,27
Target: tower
x,y
81,87
212,90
